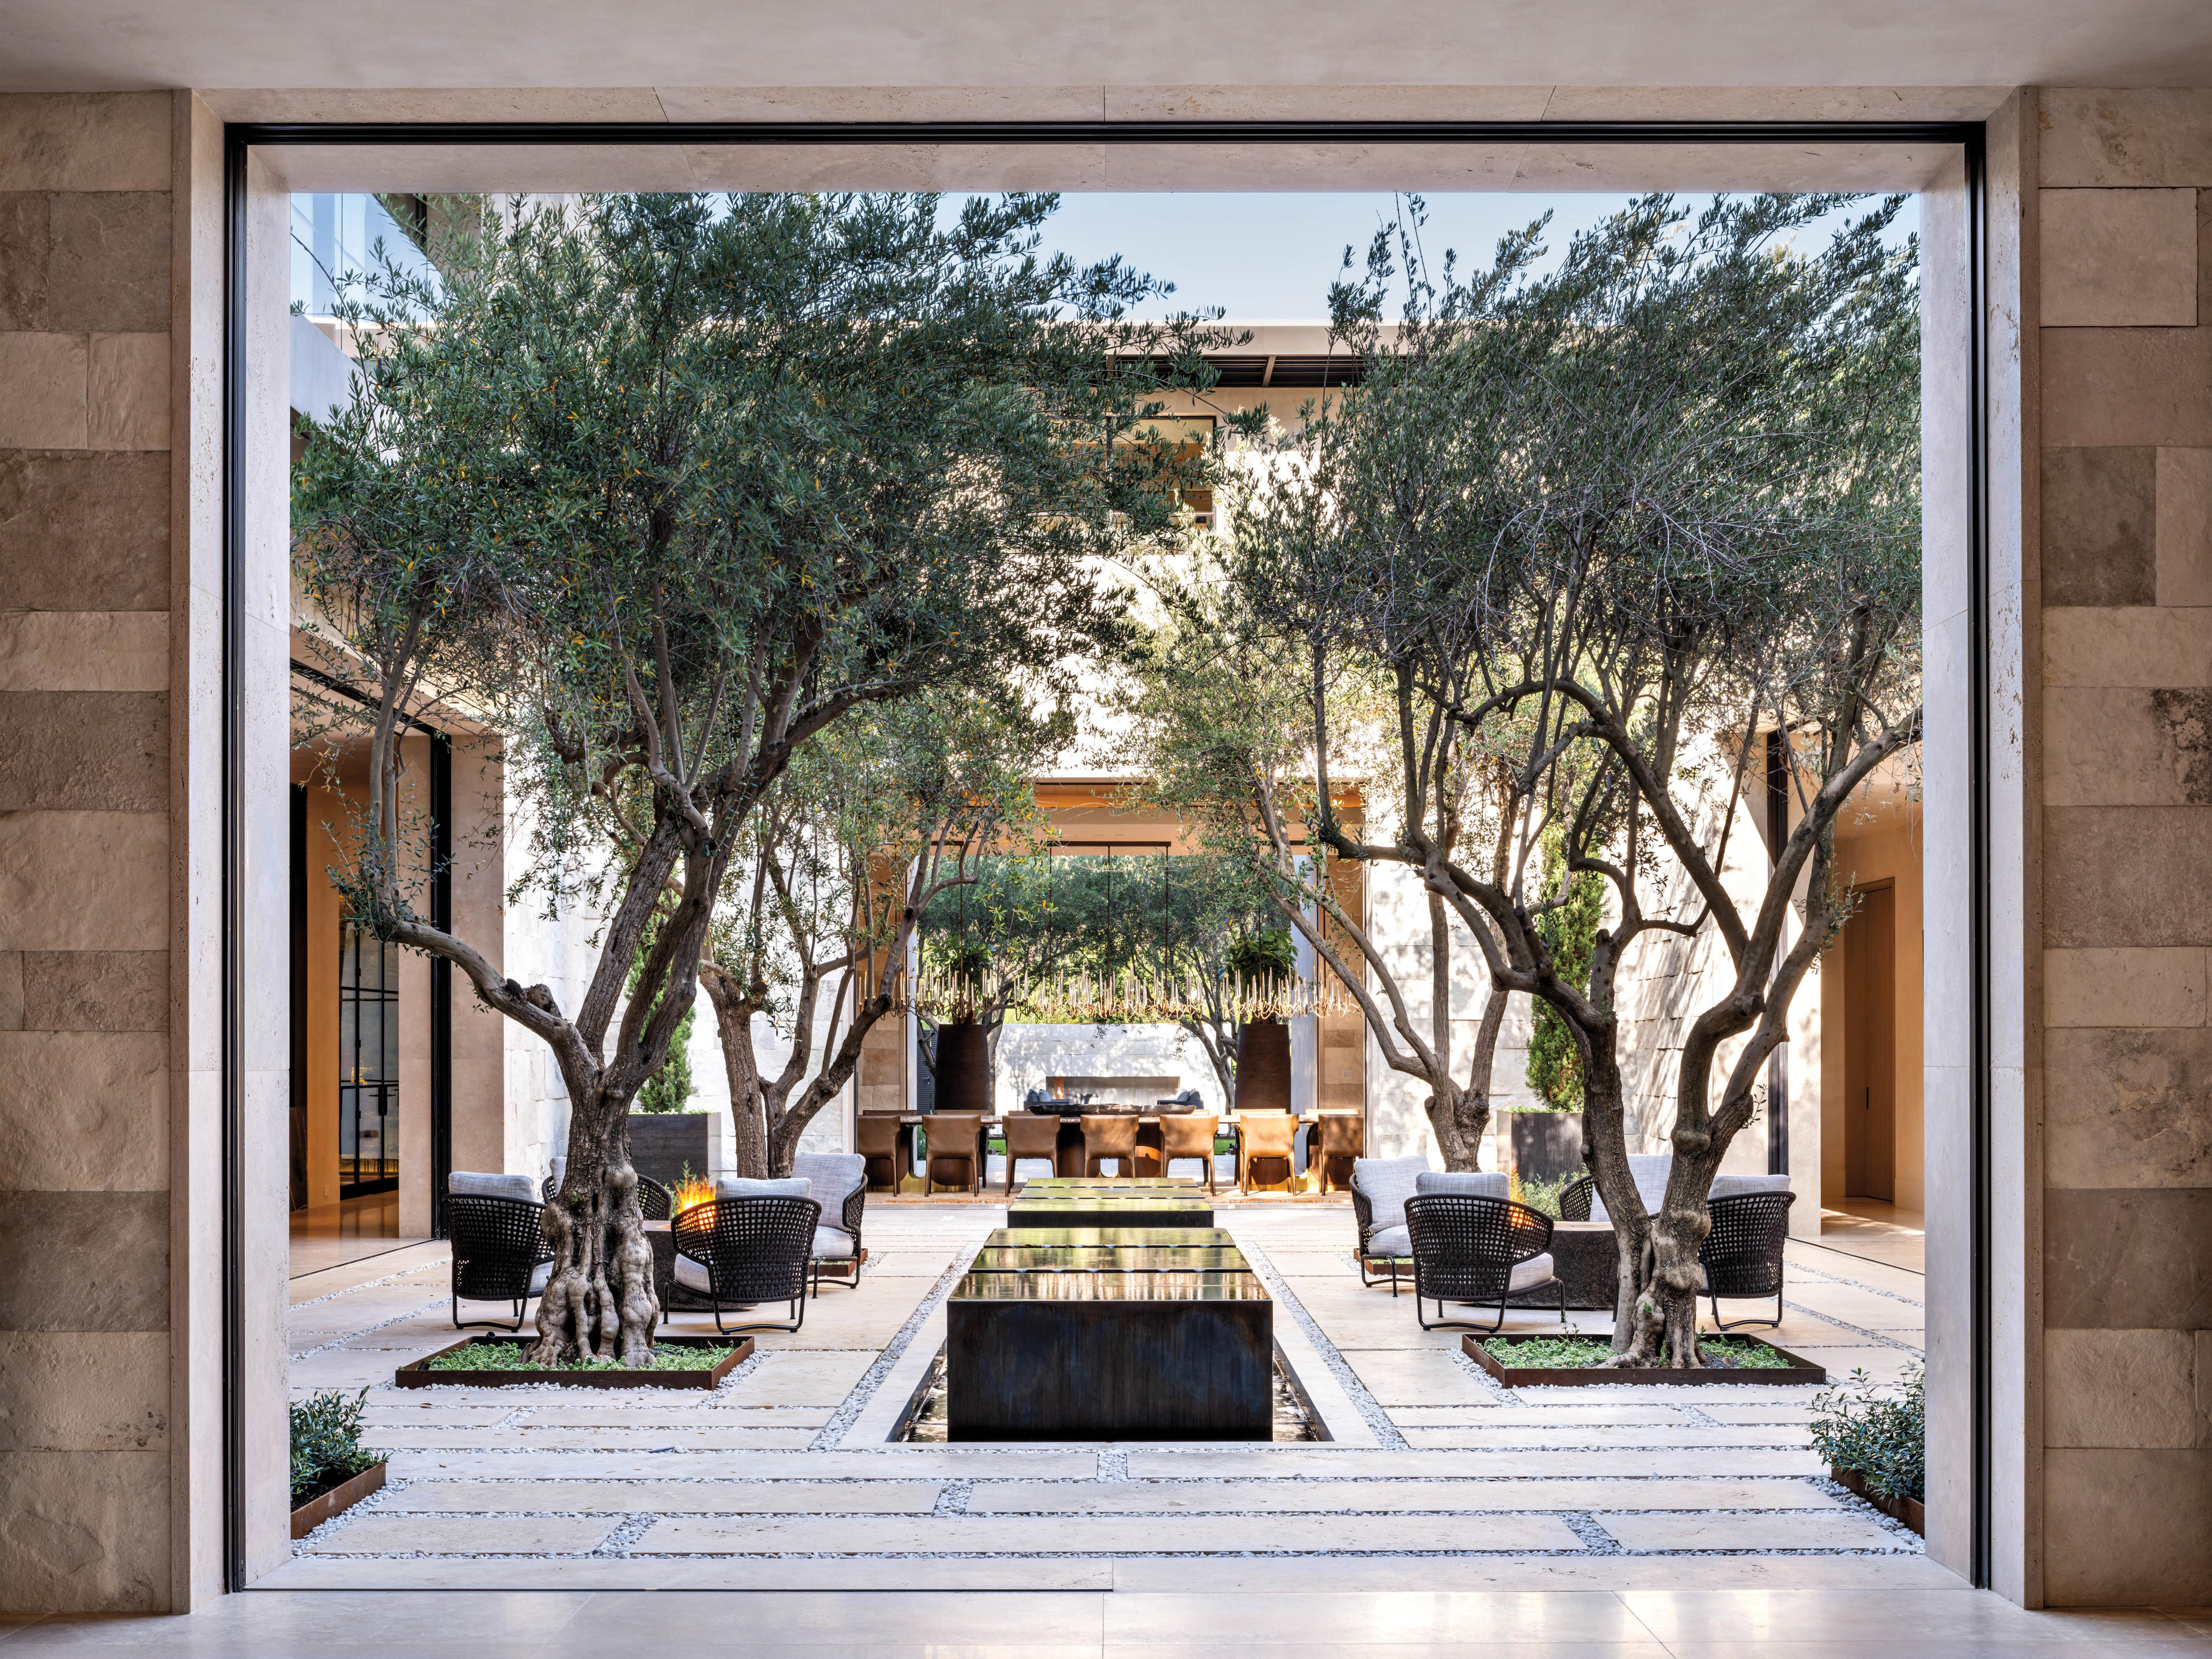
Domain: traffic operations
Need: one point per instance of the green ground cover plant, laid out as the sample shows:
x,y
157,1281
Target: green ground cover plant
x,y
327,1449
1876,1432
505,1357
1576,1352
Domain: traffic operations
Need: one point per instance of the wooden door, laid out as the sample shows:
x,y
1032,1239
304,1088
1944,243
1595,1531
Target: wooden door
x,y
1870,1046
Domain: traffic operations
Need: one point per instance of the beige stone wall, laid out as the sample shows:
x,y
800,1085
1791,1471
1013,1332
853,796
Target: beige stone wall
x,y
2126,788
85,794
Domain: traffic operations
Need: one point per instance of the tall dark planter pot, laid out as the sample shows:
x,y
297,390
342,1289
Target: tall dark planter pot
x,y
1263,1066
662,1143
963,1069
1546,1145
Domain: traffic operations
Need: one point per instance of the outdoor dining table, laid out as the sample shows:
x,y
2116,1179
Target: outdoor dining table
x,y
1069,1158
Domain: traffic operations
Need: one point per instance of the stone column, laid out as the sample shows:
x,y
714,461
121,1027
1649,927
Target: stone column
x,y
2125,248
86,787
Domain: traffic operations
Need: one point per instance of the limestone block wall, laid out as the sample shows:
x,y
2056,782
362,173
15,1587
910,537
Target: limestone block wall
x,y
2125,207
85,793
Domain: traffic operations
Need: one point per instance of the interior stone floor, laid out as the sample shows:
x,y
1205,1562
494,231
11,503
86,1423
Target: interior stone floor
x,y
1432,1475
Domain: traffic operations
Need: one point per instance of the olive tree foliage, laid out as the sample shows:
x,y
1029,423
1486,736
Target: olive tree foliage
x,y
859,837
663,487
1605,526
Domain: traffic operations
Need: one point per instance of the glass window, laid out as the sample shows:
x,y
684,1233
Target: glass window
x,y
368,1064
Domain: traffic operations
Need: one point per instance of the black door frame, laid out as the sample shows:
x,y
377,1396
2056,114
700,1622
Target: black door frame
x,y
239,139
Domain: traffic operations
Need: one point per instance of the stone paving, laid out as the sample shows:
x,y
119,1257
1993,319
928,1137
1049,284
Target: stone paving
x,y
1434,1476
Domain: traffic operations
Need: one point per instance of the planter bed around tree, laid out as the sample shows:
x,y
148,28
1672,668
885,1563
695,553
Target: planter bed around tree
x,y
418,1374
1910,1510
335,1500
1484,1352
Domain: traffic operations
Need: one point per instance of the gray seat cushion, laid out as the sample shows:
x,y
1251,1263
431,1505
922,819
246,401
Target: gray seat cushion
x,y
538,1275
1386,1183
832,1244
1470,1183
476,1183
1729,1186
693,1276
1390,1241
1536,1270
741,1187
1650,1171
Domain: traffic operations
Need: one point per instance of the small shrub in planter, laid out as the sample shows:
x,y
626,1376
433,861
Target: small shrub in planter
x,y
1875,1440
332,1470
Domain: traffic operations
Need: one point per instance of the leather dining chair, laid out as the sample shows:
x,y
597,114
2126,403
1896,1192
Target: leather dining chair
x,y
1339,1139
1110,1135
1030,1136
956,1151
1266,1137
1186,1135
877,1134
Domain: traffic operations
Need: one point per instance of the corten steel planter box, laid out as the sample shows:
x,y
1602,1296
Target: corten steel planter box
x,y
1109,1356
336,1501
418,1374
1911,1510
1796,1369
1546,1145
662,1143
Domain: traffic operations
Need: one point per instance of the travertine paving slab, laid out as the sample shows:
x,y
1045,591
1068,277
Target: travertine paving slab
x,y
1411,1377
1751,1532
1496,1413
394,1412
617,1409
1389,1497
1854,1306
802,1378
1595,1435
1153,1463
374,1534
1777,1411
527,1438
900,1463
1094,1534
670,1496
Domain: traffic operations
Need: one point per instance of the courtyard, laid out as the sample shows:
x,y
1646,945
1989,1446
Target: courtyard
x,y
1430,1475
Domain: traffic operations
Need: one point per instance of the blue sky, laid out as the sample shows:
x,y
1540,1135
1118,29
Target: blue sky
x,y
1270,258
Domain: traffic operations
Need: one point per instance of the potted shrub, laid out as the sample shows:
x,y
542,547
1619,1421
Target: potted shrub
x,y
1875,1440
332,1471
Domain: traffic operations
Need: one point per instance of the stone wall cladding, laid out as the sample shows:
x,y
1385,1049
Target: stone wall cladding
x,y
86,280
2126,476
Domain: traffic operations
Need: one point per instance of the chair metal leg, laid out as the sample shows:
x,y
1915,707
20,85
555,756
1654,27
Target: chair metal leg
x,y
1443,1324
1772,1324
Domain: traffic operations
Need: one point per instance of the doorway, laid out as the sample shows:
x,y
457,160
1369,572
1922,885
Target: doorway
x,y
1870,1045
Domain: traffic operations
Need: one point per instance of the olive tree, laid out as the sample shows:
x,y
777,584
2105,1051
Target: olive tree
x,y
1604,528
663,487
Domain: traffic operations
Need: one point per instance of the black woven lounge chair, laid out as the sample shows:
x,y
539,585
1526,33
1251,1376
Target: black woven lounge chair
x,y
1482,1250
1741,1256
739,1252
1575,1199
500,1254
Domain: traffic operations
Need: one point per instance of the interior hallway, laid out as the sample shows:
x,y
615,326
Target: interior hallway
x,y
326,1236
